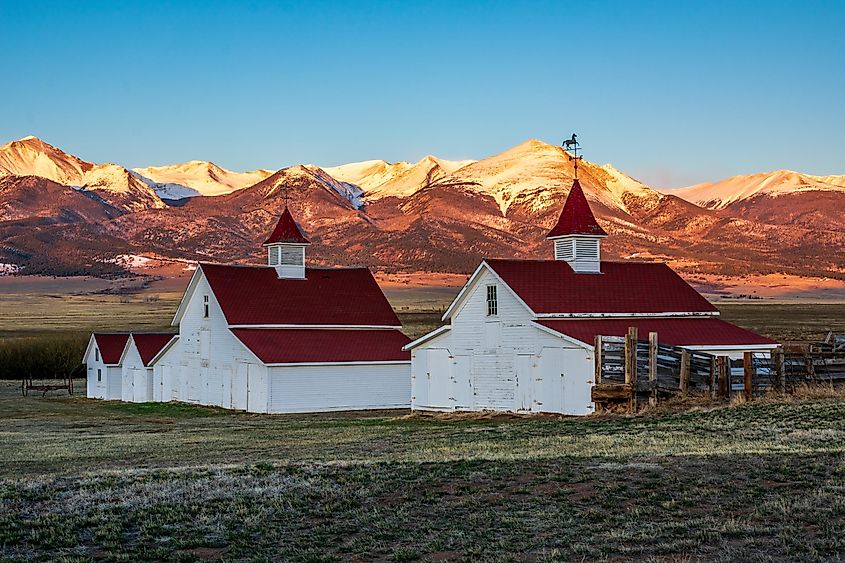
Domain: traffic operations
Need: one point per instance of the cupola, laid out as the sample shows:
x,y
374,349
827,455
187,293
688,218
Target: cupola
x,y
286,248
577,235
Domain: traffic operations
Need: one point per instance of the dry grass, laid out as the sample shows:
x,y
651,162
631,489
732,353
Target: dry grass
x,y
83,479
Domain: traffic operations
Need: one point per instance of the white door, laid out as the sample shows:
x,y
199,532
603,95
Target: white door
x,y
115,383
226,385
524,369
493,382
550,390
139,385
462,381
439,379
578,376
127,391
239,387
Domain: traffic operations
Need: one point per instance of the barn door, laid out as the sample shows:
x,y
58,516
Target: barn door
x,y
239,387
550,388
577,381
439,379
493,382
524,369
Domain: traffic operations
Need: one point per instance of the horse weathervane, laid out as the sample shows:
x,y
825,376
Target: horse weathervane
x,y
573,145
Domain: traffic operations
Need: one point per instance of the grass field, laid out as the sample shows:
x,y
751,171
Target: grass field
x,y
83,479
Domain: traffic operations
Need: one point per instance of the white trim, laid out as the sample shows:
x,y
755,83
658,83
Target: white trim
x,y
189,290
626,315
426,337
164,349
746,347
358,363
91,341
471,281
126,349
562,336
317,327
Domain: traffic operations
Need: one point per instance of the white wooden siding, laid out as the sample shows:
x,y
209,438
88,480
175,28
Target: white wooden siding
x,y
339,387
502,362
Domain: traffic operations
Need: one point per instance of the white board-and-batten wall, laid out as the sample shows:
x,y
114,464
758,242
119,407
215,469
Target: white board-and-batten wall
x,y
208,365
102,381
500,362
136,378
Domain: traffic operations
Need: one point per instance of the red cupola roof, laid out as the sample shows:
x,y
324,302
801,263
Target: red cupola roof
x,y
287,231
576,218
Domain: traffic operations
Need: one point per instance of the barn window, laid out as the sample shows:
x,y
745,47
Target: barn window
x,y
205,306
492,301
99,375
96,354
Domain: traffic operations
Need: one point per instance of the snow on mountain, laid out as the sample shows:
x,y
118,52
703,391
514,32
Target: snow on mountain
x,y
721,194
198,177
121,187
379,178
31,156
351,192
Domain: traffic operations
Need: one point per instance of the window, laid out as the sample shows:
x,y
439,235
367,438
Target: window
x,y
99,375
492,301
97,354
205,306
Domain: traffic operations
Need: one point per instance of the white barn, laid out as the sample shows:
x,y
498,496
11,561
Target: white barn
x,y
520,333
282,338
104,375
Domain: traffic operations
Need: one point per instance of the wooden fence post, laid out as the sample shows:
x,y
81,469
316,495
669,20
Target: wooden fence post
x,y
685,366
747,374
652,367
713,380
778,366
724,367
597,351
631,366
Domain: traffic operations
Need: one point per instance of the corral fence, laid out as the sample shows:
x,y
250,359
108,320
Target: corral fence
x,y
630,372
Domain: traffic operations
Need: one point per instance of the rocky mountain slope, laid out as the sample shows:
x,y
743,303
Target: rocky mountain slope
x,y
198,178
433,215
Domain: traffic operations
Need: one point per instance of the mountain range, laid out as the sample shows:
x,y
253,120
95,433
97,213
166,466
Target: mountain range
x,y
61,215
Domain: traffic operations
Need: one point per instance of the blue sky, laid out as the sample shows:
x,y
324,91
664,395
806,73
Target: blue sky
x,y
671,93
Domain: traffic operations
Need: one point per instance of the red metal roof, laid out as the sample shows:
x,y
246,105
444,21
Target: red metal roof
x,y
702,331
111,345
150,343
287,231
284,346
551,286
576,218
254,295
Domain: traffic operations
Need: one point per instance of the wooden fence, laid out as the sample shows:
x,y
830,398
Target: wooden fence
x,y
630,372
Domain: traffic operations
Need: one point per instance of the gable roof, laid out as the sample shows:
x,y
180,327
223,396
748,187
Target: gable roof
x,y
553,287
149,344
287,231
576,218
688,331
111,345
255,295
289,346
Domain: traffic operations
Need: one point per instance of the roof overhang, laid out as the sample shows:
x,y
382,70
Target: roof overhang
x,y
425,338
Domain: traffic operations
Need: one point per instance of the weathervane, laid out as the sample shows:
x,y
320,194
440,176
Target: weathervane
x,y
573,145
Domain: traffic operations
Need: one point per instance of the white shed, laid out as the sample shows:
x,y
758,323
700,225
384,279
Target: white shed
x,y
137,360
104,378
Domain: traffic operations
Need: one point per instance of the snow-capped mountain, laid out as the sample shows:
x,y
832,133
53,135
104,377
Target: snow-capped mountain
x,y
378,178
197,178
721,194
31,156
117,186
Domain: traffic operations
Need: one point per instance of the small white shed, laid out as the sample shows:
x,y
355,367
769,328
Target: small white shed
x,y
104,375
137,361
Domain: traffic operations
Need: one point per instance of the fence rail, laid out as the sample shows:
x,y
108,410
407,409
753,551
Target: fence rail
x,y
630,372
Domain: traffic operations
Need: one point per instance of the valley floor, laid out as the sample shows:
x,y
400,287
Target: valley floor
x,y
83,479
